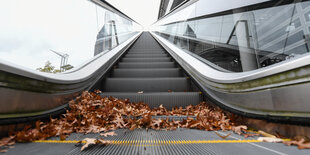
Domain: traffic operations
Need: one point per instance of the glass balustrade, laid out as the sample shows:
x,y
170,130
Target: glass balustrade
x,y
63,33
240,39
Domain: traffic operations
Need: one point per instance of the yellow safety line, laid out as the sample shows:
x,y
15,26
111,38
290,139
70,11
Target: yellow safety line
x,y
153,143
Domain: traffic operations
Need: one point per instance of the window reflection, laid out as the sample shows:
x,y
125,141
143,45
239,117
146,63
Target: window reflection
x,y
246,40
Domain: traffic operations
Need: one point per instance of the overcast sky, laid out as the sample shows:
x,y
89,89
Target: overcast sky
x,y
143,11
30,28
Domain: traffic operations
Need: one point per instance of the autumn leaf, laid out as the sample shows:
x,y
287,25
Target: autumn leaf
x,y
300,144
89,141
246,135
304,146
62,137
105,142
108,134
155,123
91,112
270,139
223,137
3,151
266,134
239,129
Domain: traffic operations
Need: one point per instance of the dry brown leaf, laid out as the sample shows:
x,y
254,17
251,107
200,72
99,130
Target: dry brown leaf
x,y
301,144
102,141
62,137
3,151
223,137
270,139
239,129
91,112
266,134
108,134
246,135
89,141
304,146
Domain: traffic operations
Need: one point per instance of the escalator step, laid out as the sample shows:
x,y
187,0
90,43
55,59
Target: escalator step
x,y
146,59
179,84
146,65
142,55
150,46
168,100
146,52
158,72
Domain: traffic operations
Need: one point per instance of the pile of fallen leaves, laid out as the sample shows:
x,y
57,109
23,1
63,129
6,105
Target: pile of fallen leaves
x,y
91,113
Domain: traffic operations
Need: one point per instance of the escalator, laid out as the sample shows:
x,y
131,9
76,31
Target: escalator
x,y
146,72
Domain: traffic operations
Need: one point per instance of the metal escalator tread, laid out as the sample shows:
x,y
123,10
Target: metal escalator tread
x,y
156,72
143,55
155,99
147,52
146,65
161,84
146,142
164,59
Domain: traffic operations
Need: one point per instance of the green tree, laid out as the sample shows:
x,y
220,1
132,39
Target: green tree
x,y
49,68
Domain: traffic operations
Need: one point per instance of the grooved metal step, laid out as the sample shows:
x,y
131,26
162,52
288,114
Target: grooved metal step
x,y
149,46
155,99
146,65
146,52
157,72
159,142
143,55
146,59
178,84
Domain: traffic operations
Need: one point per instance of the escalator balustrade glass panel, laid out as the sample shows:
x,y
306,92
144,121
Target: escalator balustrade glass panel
x,y
241,39
60,34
